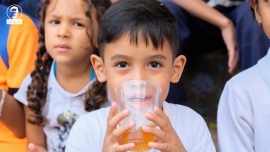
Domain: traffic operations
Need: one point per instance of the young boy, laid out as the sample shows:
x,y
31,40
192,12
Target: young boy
x,y
138,40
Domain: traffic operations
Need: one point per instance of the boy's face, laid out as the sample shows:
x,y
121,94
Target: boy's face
x,y
127,61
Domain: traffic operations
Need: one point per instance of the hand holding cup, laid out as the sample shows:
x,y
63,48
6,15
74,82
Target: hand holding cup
x,y
138,97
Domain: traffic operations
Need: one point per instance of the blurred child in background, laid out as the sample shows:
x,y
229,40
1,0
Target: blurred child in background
x,y
18,46
243,111
57,92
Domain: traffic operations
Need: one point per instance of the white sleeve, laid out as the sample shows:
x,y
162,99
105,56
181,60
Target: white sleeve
x,y
20,95
76,137
202,140
84,136
235,131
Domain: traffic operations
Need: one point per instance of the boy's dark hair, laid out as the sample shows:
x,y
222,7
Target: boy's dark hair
x,y
148,19
37,90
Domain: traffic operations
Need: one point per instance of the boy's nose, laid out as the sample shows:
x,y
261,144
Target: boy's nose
x,y
139,74
64,31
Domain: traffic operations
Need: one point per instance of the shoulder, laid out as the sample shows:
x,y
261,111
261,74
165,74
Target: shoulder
x,y
89,128
182,118
97,117
244,83
181,112
190,127
245,76
95,120
27,80
20,95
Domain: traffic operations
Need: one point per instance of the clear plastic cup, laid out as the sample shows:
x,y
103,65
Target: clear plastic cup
x,y
139,97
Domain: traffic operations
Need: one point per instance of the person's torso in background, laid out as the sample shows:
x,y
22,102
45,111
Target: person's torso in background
x,y
8,142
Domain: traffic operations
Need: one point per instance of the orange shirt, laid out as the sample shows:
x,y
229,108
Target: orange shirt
x,y
21,47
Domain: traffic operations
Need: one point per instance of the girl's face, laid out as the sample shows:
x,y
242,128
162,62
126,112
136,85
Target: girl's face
x,y
66,27
262,13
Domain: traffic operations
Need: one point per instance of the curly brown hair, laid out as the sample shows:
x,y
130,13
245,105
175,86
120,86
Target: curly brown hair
x,y
37,90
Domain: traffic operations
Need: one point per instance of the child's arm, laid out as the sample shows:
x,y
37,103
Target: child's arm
x,y
167,139
13,116
201,10
35,135
113,134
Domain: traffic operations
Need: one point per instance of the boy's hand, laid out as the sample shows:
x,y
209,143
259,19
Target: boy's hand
x,y
33,148
167,138
113,134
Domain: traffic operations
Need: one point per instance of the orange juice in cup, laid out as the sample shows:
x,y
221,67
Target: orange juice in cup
x,y
139,97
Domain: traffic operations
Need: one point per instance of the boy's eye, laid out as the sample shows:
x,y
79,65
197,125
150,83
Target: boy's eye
x,y
122,64
154,65
55,22
78,24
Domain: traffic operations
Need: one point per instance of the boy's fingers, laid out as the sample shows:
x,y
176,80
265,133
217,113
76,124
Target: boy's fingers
x,y
116,134
111,114
160,119
112,123
160,134
124,148
112,111
156,139
161,114
159,146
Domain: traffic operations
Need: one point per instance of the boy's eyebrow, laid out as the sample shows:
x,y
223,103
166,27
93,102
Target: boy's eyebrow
x,y
119,56
159,56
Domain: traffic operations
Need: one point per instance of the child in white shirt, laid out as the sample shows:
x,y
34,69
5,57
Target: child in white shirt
x,y
244,108
138,40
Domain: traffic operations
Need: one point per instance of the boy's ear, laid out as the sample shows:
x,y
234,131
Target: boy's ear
x,y
178,67
99,68
256,10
